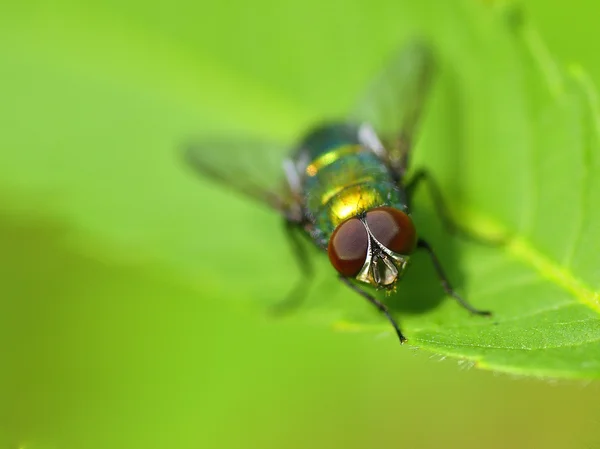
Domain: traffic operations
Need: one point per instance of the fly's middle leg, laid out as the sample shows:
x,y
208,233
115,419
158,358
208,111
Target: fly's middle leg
x,y
295,297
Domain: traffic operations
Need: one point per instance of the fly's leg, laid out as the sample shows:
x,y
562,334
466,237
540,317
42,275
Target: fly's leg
x,y
422,244
298,293
451,226
382,308
424,176
295,224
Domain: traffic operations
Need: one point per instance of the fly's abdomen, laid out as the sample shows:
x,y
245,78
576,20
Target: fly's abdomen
x,y
342,179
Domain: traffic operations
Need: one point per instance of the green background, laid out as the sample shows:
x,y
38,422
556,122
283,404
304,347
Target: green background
x,y
121,325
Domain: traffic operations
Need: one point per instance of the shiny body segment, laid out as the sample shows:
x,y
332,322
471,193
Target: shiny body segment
x,y
342,178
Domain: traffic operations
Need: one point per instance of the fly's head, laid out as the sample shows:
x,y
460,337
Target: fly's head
x,y
375,247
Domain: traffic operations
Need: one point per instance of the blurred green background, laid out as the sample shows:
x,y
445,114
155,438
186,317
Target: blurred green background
x,y
105,343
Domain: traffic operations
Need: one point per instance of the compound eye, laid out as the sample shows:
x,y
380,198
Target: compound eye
x,y
348,247
393,229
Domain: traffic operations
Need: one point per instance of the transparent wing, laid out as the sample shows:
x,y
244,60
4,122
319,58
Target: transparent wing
x,y
248,166
394,100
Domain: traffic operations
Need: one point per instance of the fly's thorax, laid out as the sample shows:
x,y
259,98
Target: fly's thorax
x,y
324,140
344,182
349,186
341,175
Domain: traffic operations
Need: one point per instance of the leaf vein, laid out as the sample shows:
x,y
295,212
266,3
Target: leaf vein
x,y
589,96
559,275
511,348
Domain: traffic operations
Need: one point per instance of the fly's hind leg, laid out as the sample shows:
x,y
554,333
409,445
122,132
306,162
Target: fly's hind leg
x,y
295,226
296,296
423,176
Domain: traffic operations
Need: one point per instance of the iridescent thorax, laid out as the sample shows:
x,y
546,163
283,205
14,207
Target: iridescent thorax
x,y
342,178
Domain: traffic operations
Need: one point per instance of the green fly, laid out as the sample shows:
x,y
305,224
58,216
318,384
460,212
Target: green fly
x,y
344,184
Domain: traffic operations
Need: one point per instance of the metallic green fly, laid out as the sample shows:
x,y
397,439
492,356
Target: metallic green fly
x,y
344,184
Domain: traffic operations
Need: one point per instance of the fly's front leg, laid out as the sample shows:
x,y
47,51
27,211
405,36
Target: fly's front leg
x,y
422,244
382,307
423,176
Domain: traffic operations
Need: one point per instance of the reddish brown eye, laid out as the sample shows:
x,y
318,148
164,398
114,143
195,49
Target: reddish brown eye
x,y
348,247
393,228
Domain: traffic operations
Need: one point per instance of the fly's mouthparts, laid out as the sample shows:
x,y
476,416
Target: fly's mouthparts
x,y
384,271
382,267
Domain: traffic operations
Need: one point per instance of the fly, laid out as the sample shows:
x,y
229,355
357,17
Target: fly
x,y
345,184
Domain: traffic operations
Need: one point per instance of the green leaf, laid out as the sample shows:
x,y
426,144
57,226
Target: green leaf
x,y
101,96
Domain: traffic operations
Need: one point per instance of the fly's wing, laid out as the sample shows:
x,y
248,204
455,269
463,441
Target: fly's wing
x,y
248,166
393,102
